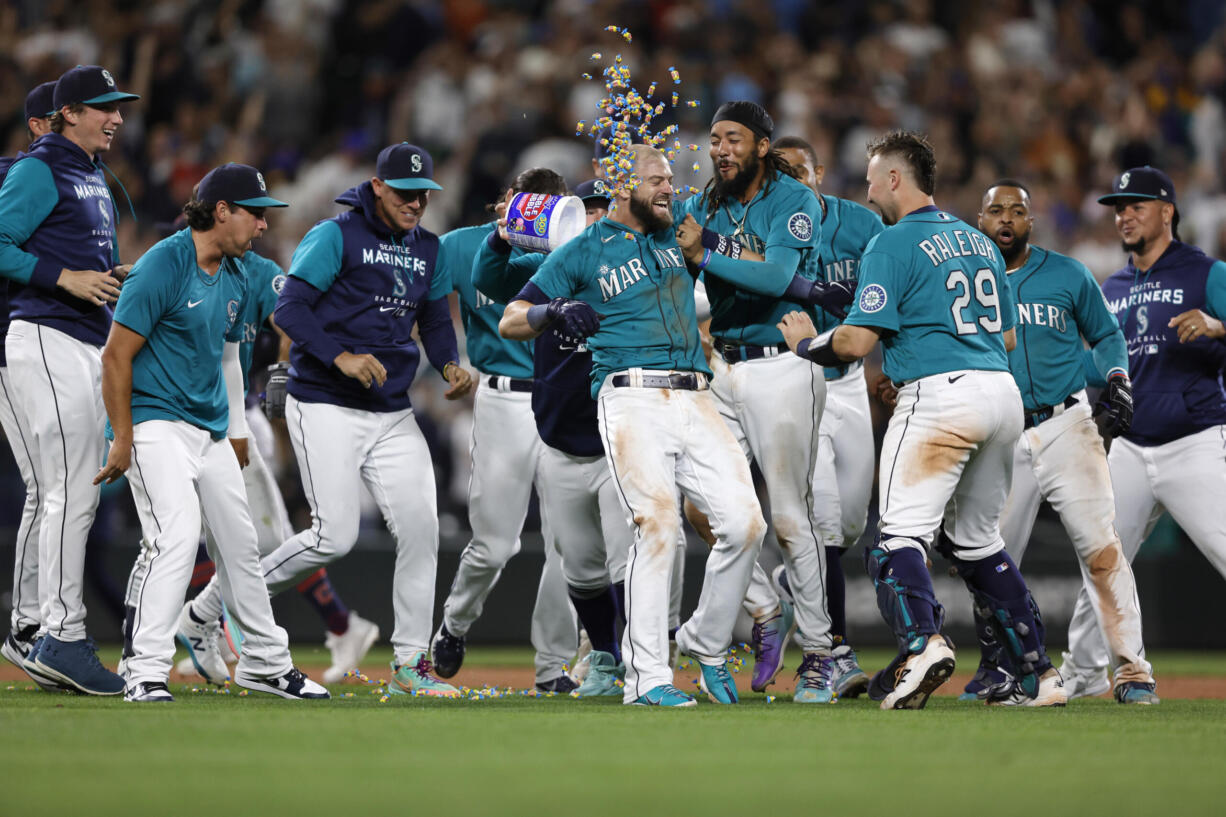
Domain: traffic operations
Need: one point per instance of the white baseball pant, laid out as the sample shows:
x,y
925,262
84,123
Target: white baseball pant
x,y
773,407
1186,477
947,458
1063,461
25,559
56,381
505,452
657,440
336,447
843,479
181,476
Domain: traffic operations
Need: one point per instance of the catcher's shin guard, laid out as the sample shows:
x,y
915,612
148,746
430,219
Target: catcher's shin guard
x,y
904,594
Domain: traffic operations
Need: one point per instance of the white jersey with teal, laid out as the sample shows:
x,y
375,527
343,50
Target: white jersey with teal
x,y
938,289
1058,303
186,317
265,280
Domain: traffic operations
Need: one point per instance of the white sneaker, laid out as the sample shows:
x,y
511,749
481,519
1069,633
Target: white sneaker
x,y
921,674
293,685
1080,682
201,643
148,692
350,647
1051,692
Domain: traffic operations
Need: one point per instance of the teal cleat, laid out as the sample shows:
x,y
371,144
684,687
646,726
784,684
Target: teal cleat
x,y
605,676
815,680
717,682
1136,692
665,695
849,680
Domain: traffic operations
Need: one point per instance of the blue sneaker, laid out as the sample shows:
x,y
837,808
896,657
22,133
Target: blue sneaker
x,y
21,648
717,682
76,663
605,676
665,695
1137,692
849,679
815,680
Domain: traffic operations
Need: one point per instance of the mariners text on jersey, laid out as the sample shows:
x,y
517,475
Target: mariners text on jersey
x,y
616,281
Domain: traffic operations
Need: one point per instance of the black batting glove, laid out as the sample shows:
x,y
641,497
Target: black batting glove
x,y
1115,406
272,401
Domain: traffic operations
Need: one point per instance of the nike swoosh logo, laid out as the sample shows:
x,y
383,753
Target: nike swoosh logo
x,y
607,240
387,308
104,243
191,304
956,379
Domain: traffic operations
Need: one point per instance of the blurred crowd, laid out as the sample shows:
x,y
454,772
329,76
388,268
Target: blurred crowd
x,y
1060,95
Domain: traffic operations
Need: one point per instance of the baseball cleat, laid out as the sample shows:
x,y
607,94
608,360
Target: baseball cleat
x,y
665,695
769,640
1082,682
815,680
920,675
350,647
562,685
200,641
988,675
716,681
447,652
293,685
148,692
849,680
603,676
19,648
185,667
414,677
1051,692
1137,692
76,663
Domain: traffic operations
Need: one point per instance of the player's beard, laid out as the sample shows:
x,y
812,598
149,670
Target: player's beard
x,y
1135,247
652,221
734,188
1021,243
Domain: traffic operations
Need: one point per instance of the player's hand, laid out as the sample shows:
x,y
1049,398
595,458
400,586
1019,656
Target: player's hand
x,y
121,271
834,296
577,319
89,285
1194,324
796,326
118,460
689,238
272,401
461,381
366,369
239,444
500,210
885,391
1114,408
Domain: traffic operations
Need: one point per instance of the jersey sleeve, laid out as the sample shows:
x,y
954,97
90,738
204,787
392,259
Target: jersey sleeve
x,y
318,257
148,292
796,222
265,280
1215,290
27,198
442,277
1094,320
555,277
879,289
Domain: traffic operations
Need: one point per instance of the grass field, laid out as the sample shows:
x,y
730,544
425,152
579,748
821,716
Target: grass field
x,y
210,754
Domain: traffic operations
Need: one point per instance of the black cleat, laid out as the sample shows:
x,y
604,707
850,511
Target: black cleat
x,y
447,652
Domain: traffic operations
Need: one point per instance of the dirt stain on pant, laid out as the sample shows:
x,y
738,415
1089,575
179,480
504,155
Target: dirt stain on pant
x,y
940,453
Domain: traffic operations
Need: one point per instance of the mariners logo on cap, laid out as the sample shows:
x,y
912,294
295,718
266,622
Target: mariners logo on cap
x,y
416,162
872,298
599,189
259,177
801,227
1124,180
110,80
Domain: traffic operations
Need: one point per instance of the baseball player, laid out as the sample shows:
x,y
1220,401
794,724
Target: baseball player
x,y
25,617
1060,455
349,636
771,400
843,480
172,391
357,286
57,239
658,422
933,290
505,452
1170,300
578,494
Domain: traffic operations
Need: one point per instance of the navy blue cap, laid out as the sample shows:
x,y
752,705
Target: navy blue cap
x,y
89,84
40,103
237,184
594,189
1140,183
406,167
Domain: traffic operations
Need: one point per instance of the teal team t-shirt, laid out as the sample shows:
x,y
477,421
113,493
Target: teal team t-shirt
x,y
1058,303
487,350
265,280
786,214
847,228
186,317
937,286
640,284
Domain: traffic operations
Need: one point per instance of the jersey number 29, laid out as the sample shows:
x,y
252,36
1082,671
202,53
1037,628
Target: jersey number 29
x,y
984,292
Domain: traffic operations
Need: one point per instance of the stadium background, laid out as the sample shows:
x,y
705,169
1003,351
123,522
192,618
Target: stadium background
x,y
1059,94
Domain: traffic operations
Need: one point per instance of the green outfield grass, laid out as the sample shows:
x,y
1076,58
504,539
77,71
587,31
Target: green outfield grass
x,y
210,754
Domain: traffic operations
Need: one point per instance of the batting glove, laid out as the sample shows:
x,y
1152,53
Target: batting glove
x,y
272,401
575,319
1115,407
833,296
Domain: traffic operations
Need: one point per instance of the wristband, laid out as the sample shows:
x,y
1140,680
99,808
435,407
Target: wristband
x,y
1114,373
820,350
706,259
538,317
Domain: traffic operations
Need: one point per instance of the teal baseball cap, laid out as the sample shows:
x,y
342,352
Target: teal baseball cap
x,y
237,184
406,167
90,85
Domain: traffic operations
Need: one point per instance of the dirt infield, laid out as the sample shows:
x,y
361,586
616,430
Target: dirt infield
x,y
517,677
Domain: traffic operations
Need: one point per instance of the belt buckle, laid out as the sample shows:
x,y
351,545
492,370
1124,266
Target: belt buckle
x,y
679,380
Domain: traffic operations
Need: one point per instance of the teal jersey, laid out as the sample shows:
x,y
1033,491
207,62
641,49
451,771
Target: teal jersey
x,y
186,317
1058,303
640,285
785,214
487,350
847,228
265,279
938,289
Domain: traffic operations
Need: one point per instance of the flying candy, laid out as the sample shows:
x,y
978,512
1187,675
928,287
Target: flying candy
x,y
675,74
